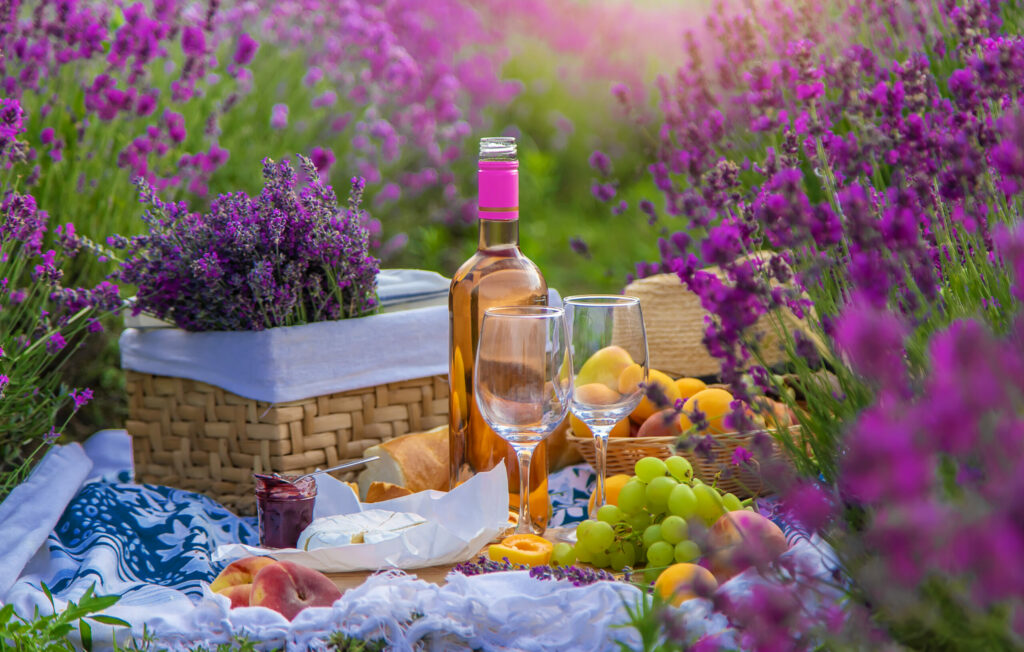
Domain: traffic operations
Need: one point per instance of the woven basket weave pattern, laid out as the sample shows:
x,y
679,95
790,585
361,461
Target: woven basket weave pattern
x,y
202,438
624,452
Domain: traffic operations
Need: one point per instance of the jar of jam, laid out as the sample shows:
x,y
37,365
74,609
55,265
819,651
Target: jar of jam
x,y
284,507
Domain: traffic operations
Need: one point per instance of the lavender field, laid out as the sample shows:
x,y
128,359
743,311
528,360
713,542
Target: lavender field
x,y
857,163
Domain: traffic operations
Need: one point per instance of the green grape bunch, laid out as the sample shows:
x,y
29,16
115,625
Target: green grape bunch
x,y
661,517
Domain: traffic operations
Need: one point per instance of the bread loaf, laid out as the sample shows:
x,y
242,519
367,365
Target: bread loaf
x,y
415,461
379,491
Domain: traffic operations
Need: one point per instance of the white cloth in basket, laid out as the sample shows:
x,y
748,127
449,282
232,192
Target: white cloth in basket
x,y
297,362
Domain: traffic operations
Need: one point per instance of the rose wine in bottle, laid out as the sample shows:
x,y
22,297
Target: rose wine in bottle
x,y
498,274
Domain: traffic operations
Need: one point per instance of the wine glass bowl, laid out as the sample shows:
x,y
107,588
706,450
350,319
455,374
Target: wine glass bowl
x,y
523,381
610,365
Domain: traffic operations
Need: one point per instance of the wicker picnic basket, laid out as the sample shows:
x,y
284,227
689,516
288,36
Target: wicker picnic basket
x,y
202,438
623,453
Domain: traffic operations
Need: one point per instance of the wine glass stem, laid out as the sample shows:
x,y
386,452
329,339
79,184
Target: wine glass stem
x,y
524,525
601,446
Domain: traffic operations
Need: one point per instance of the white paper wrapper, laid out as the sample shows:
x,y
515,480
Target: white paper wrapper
x,y
458,525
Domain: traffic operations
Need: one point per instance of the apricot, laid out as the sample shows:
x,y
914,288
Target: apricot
x,y
689,386
612,486
631,378
241,571
604,367
666,423
681,582
715,404
580,429
528,549
742,539
596,394
288,588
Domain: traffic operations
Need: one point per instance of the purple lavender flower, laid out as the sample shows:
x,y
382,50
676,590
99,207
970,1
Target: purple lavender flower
x,y
246,49
81,397
279,116
55,343
322,159
289,255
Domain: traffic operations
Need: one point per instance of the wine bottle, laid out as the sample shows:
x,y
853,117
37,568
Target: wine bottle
x,y
498,274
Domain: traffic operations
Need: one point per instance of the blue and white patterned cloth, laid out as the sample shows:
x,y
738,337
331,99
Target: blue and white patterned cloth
x,y
153,547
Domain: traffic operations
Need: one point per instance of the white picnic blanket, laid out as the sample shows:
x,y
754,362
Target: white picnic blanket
x,y
153,546
80,520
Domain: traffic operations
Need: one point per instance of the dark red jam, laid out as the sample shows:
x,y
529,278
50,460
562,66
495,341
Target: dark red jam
x,y
283,509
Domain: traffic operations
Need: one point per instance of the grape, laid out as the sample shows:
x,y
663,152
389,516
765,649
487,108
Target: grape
x,y
632,497
696,481
598,538
639,521
660,554
658,491
622,555
682,502
709,504
582,529
673,529
651,535
564,554
732,503
601,559
680,468
582,554
686,551
649,468
610,514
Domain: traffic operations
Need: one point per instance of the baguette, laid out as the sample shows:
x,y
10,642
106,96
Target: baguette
x,y
417,461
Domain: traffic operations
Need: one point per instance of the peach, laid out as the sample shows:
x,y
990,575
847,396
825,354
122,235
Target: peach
x,y
632,376
238,594
667,423
741,539
604,367
240,571
288,588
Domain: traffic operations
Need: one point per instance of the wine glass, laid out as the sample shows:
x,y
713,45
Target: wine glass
x,y
523,382
609,352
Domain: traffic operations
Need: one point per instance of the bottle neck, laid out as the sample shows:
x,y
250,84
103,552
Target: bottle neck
x,y
498,234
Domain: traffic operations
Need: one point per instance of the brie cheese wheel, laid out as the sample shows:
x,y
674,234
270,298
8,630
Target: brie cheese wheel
x,y
371,526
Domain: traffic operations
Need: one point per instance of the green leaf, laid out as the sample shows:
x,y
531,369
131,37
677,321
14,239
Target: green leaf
x,y
6,613
86,631
49,596
111,620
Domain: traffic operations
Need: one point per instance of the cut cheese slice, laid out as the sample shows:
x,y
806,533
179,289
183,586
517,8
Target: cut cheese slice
x,y
371,526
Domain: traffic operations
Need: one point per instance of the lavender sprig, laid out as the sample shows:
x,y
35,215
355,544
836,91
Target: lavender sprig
x,y
578,575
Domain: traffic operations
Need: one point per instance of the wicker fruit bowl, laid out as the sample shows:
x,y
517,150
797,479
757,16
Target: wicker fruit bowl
x,y
623,453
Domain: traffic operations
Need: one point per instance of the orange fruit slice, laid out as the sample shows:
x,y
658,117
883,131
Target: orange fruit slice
x,y
528,549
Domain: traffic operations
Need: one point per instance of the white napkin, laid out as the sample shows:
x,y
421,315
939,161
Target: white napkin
x,y
458,525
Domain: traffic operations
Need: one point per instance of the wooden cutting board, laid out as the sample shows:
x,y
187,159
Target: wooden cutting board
x,y
435,574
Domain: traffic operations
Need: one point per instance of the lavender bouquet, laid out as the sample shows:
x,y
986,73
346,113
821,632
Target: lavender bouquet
x,y
288,256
